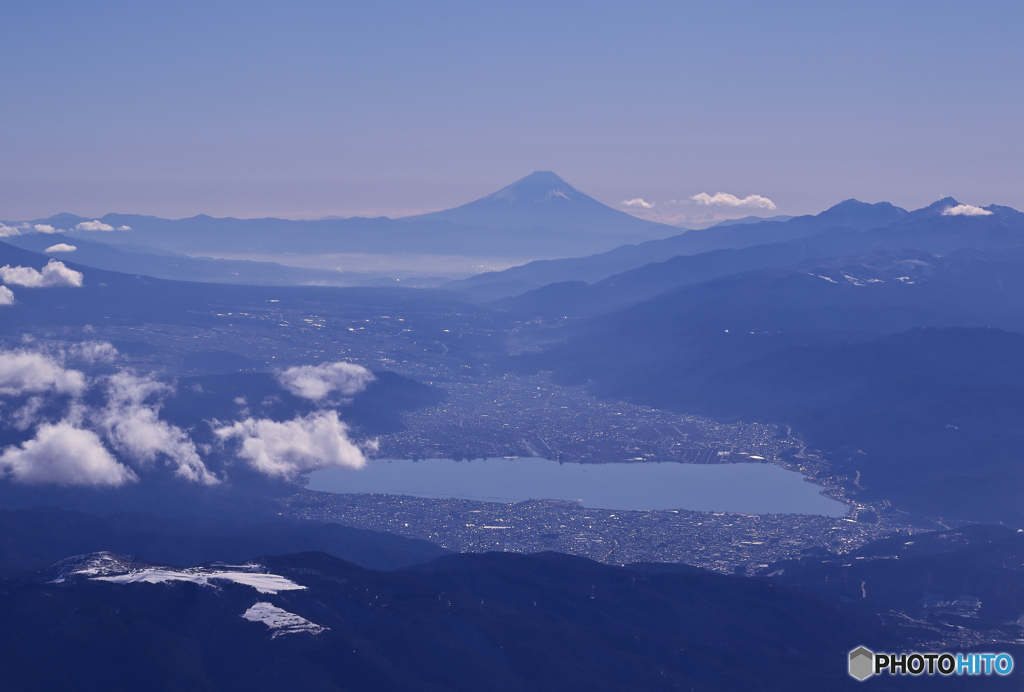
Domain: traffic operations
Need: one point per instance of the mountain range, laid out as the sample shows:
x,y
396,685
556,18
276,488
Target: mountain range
x,y
537,216
497,621
502,621
925,229
851,214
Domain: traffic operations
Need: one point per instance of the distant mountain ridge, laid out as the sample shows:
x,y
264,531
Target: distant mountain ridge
x,y
540,215
848,227
850,214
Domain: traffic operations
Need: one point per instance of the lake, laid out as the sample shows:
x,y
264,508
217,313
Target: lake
x,y
747,488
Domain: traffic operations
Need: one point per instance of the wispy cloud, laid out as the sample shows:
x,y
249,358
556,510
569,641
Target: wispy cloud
x,y
124,228
724,199
93,351
6,296
64,454
288,448
93,226
61,247
637,202
965,210
55,273
314,382
8,231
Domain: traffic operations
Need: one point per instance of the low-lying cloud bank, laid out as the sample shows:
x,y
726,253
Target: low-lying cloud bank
x,y
638,202
82,227
93,226
724,199
965,210
55,273
314,382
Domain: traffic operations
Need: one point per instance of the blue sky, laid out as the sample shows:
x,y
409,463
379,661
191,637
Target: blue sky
x,y
304,109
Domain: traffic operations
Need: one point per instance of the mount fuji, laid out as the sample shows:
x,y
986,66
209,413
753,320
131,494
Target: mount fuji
x,y
539,216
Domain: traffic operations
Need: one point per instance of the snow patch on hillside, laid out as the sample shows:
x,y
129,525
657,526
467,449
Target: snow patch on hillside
x,y
261,581
280,620
120,569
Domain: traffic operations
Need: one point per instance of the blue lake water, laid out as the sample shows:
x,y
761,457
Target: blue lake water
x,y
747,488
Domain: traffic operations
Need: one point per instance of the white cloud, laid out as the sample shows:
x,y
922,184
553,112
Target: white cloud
x,y
6,296
22,372
93,226
314,382
965,210
61,247
46,228
135,429
637,202
124,228
286,449
94,351
66,455
8,231
53,274
724,199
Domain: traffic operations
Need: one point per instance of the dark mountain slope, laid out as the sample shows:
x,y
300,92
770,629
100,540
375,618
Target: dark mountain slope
x,y
468,622
833,233
961,581
928,417
727,321
850,214
578,298
33,538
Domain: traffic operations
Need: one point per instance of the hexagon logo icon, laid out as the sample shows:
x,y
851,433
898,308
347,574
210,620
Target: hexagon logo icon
x,y
862,663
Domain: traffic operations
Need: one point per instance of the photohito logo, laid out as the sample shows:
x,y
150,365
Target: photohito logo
x,y
864,663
